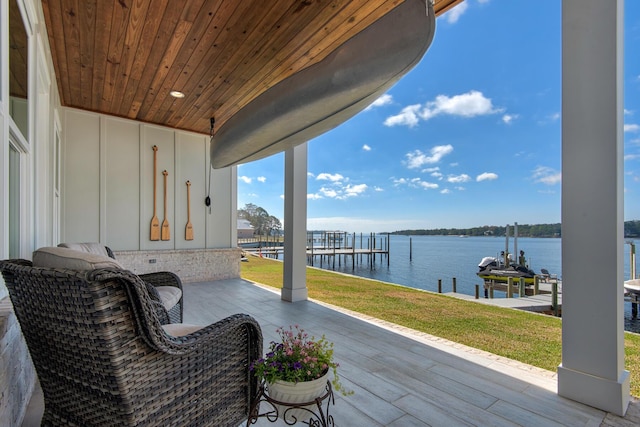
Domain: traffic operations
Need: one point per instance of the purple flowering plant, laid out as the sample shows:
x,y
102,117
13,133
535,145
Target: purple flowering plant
x,y
296,358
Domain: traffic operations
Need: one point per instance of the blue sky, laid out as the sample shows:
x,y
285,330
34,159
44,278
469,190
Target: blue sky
x,y
476,123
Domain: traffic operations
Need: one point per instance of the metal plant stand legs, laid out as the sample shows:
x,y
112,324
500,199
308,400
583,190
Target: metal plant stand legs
x,y
317,415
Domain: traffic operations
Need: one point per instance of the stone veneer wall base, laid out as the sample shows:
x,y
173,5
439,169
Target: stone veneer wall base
x,y
191,265
17,374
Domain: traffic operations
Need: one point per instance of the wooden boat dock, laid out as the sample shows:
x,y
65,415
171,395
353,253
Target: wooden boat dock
x,y
328,248
543,301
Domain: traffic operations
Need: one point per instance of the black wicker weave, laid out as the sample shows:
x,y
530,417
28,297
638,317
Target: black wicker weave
x,y
167,278
103,358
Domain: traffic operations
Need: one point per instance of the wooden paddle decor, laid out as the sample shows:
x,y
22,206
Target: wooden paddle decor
x,y
188,231
166,234
155,223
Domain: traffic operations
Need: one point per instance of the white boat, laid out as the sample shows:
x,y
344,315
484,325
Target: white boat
x,y
503,268
632,287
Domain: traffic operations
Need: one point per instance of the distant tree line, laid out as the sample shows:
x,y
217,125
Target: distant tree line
x,y
631,229
263,224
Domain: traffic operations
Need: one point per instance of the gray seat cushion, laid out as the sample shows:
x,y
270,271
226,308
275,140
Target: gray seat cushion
x,y
180,329
91,247
55,257
169,295
80,260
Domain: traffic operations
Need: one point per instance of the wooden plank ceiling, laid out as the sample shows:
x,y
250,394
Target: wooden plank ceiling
x,y
123,57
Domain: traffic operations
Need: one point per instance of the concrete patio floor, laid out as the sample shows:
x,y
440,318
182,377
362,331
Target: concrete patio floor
x,y
401,377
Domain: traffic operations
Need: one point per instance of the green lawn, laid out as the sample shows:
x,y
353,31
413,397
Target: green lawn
x,y
527,337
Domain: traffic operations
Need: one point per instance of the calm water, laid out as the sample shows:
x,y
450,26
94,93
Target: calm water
x,y
446,257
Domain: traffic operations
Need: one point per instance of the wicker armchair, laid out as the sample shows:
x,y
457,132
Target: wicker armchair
x,y
168,285
103,358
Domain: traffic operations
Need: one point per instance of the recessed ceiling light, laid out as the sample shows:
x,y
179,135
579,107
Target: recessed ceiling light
x,y
176,94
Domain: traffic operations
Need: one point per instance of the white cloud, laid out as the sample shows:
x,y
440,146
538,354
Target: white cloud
x,y
456,179
408,117
310,174
383,100
470,104
262,178
455,13
330,177
546,175
445,191
550,118
245,179
631,156
399,181
329,192
336,189
631,128
428,185
628,112
508,118
415,183
460,188
314,196
437,175
486,176
354,190
365,147
417,158
378,188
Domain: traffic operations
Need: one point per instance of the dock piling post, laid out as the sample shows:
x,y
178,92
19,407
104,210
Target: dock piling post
x,y
410,248
455,285
521,291
439,286
554,298
388,249
477,291
536,285
510,287
334,253
353,255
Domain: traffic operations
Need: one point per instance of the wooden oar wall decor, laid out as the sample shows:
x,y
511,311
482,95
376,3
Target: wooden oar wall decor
x,y
165,234
188,231
155,223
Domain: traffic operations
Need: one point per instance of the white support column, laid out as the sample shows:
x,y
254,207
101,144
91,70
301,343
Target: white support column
x,y
294,286
592,369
